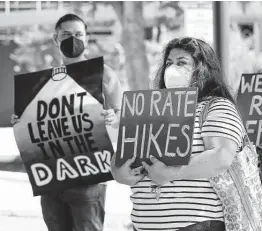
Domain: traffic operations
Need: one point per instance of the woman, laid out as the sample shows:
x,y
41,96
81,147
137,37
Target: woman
x,y
182,198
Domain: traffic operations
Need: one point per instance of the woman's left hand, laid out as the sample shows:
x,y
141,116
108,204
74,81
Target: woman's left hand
x,y
159,172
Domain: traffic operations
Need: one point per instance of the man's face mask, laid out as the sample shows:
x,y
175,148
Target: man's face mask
x,y
72,47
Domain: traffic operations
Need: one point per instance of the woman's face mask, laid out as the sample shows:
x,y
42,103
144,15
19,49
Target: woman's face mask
x,y
179,69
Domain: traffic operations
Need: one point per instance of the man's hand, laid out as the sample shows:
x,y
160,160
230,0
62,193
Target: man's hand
x,y
124,174
159,172
14,119
111,118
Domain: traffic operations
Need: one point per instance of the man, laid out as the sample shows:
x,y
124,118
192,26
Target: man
x,y
81,208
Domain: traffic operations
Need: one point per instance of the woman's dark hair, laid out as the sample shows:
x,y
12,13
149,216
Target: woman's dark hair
x,y
207,76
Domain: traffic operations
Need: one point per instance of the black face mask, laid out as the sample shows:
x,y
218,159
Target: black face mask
x,y
72,47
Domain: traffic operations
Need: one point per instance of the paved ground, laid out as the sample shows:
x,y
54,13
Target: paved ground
x,y
20,211
21,223
37,224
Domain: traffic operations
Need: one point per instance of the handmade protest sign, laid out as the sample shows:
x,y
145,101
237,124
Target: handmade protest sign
x,y
61,134
249,102
158,123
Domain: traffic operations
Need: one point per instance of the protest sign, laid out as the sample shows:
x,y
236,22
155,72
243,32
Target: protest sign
x,y
158,123
61,134
249,102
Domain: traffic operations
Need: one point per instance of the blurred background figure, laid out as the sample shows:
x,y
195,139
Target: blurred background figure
x,y
130,35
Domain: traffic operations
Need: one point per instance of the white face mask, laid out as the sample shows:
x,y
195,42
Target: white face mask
x,y
176,76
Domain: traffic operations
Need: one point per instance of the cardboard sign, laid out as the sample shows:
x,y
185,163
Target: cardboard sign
x,y
250,105
61,135
158,123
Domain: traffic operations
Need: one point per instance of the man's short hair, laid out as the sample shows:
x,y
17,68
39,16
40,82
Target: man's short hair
x,y
69,17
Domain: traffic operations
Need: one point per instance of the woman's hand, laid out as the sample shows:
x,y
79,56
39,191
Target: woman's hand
x,y
159,172
111,118
124,174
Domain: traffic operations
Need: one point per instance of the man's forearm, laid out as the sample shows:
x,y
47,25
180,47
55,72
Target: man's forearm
x,y
118,114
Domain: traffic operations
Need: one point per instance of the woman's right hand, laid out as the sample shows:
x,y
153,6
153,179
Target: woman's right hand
x,y
124,174
14,119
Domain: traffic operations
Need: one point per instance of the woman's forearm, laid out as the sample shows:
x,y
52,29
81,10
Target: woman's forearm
x,y
208,164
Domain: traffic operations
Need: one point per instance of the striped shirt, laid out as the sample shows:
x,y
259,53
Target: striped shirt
x,y
186,202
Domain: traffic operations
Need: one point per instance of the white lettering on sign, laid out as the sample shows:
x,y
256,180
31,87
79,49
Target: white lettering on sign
x,y
43,175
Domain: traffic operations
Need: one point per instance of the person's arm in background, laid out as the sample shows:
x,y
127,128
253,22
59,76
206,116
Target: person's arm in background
x,y
113,92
